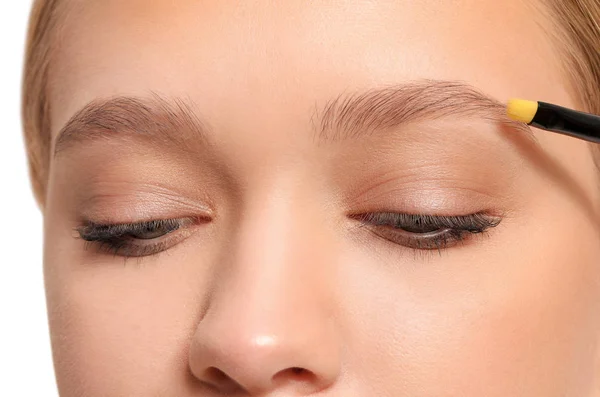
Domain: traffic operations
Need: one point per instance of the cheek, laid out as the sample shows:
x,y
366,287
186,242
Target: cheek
x,y
549,300
110,338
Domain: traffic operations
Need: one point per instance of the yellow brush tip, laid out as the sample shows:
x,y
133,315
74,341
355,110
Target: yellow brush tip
x,y
521,110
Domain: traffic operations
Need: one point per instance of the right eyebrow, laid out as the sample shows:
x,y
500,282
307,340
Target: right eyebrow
x,y
155,119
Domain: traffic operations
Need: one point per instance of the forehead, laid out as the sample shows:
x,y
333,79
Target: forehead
x,y
227,55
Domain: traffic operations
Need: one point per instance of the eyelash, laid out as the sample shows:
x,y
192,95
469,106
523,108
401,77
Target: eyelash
x,y
123,239
418,232
433,232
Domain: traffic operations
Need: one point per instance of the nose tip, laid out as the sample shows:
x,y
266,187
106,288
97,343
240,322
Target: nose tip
x,y
235,361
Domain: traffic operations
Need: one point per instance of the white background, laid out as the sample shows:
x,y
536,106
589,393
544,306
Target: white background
x,y
25,357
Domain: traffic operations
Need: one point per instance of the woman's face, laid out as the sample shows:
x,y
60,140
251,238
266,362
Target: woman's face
x,y
340,207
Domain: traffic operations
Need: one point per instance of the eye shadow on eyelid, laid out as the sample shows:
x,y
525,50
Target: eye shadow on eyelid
x,y
481,174
440,202
386,174
135,207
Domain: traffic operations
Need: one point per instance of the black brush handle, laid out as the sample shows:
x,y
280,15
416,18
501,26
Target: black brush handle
x,y
567,121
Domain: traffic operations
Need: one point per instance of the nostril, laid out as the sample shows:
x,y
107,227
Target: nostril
x,y
219,380
294,374
215,374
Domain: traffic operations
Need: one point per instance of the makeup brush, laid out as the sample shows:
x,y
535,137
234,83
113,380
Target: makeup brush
x,y
547,116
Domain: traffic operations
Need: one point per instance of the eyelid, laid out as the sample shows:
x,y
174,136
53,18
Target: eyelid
x,y
448,230
113,238
148,196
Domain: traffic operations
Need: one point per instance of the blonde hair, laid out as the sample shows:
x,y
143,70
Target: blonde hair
x,y
578,39
35,107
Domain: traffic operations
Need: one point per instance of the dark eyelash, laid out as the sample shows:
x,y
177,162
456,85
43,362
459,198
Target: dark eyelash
x,y
120,239
472,223
98,232
433,232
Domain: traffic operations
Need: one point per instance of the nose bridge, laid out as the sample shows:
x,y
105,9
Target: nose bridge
x,y
270,315
277,260
283,237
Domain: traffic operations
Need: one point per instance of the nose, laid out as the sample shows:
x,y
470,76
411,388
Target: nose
x,y
269,326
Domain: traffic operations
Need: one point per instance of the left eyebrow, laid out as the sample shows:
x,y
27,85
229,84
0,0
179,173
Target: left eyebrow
x,y
351,115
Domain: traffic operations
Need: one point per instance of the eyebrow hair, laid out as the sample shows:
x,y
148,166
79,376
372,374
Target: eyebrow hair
x,y
351,115
154,118
173,121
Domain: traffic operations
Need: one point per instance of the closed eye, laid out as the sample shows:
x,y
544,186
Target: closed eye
x,y
426,232
138,239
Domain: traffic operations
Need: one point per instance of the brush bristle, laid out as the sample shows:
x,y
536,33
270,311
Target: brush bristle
x,y
521,110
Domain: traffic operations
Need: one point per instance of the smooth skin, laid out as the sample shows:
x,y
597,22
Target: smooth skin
x,y
277,292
